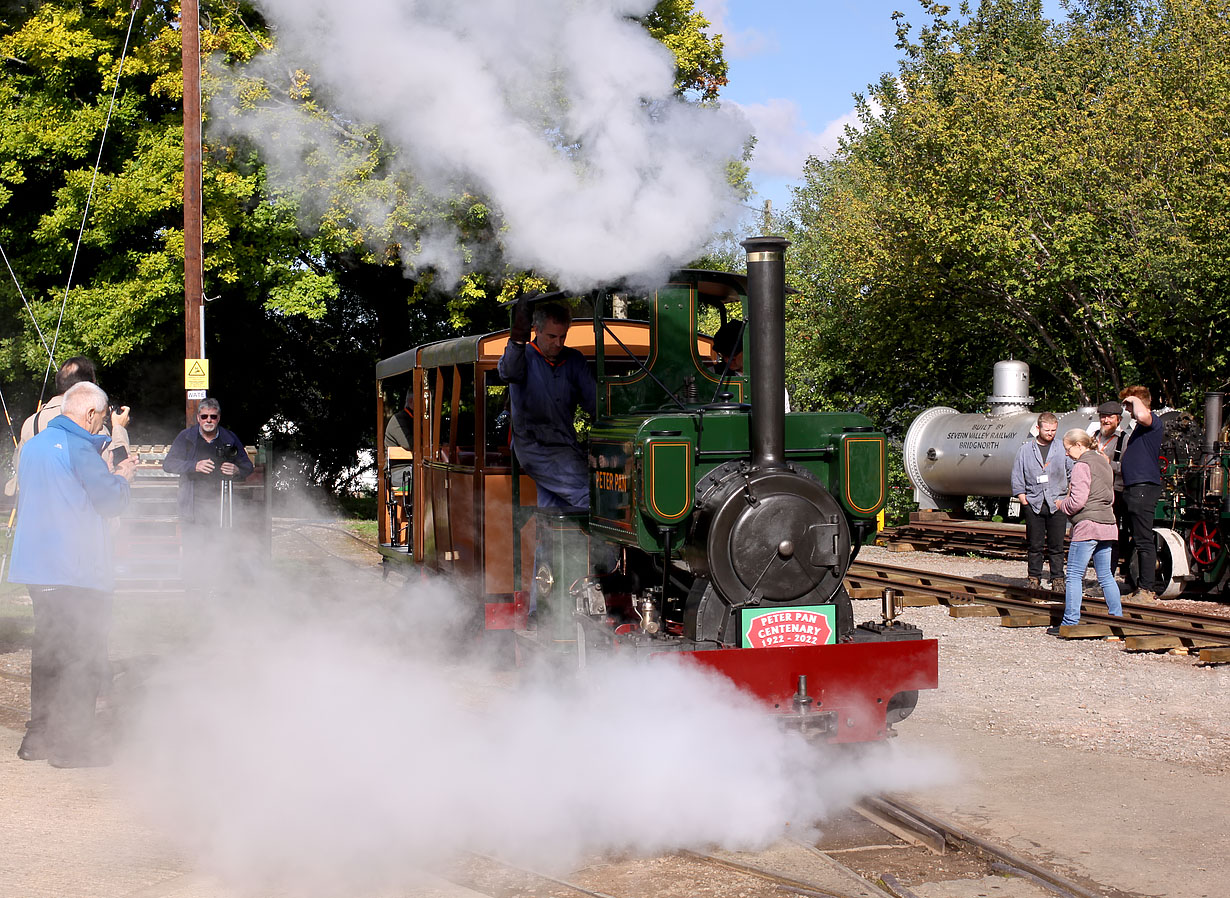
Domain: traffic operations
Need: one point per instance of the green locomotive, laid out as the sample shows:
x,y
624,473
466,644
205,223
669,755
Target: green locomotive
x,y
720,526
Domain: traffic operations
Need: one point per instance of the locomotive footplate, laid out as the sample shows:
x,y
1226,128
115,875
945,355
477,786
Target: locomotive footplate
x,y
846,689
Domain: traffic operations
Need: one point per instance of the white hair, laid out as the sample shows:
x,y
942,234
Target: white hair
x,y
82,397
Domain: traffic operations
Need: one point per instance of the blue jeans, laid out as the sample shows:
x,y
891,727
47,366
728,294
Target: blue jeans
x,y
1078,561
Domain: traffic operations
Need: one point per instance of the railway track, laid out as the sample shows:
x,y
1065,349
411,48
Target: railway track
x,y
1143,627
881,847
1000,540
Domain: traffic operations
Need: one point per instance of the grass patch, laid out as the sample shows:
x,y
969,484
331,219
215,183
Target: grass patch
x,y
362,528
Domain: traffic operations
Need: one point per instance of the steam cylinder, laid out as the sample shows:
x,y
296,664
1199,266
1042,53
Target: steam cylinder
x,y
950,455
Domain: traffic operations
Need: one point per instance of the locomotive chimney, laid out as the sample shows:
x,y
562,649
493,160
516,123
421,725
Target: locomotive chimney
x,y
766,299
1213,405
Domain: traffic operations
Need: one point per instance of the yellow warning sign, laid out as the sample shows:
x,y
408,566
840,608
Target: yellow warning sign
x,y
196,374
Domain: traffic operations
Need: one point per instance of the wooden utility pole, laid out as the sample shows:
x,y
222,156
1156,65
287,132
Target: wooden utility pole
x,y
194,288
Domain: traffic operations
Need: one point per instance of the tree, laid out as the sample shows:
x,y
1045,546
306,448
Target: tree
x,y
304,295
1050,192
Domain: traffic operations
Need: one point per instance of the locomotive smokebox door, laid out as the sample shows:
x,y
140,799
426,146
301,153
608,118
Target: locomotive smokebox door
x,y
777,537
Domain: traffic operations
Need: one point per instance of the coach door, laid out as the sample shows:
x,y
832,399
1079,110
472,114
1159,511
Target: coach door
x,y
449,479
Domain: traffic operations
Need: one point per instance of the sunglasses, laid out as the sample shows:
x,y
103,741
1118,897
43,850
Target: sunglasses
x,y
208,417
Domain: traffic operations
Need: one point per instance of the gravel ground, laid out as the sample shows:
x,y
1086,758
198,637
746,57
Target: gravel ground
x,y
1089,695
1087,701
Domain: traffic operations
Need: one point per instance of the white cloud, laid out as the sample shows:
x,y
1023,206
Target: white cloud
x,y
738,44
783,142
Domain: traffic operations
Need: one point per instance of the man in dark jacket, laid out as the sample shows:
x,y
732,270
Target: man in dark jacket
x,y
1142,486
62,550
548,382
204,457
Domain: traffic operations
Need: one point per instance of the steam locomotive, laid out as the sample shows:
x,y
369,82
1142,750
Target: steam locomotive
x,y
1192,516
720,526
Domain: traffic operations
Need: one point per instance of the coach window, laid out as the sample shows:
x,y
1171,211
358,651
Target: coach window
x,y
496,422
461,417
441,386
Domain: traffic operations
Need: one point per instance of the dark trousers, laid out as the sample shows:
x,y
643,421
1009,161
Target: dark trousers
x,y
1045,531
1139,502
1121,551
69,666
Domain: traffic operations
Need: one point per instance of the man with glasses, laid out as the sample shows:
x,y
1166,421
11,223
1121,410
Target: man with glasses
x,y
205,457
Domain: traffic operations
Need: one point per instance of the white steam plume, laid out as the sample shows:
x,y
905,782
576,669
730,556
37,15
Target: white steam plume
x,y
560,112
335,751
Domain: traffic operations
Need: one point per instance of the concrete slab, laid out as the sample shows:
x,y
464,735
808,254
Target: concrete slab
x,y
987,887
792,859
1144,827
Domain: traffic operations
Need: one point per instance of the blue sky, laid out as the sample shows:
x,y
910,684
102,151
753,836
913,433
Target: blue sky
x,y
794,65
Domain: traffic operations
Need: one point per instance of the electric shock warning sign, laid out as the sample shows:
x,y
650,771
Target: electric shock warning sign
x,y
804,625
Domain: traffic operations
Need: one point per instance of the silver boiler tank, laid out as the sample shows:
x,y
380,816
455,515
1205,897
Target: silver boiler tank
x,y
950,456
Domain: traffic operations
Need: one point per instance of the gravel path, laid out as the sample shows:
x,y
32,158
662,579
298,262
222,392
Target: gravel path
x,y
1088,695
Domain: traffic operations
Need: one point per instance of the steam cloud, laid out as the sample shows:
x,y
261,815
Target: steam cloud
x,y
329,750
560,112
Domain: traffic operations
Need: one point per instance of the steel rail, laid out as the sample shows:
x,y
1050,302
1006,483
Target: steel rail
x,y
790,884
999,855
1137,616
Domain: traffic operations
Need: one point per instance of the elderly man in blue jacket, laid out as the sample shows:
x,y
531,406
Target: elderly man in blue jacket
x,y
62,551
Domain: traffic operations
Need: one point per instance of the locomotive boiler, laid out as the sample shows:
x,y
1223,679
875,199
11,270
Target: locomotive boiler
x,y
950,456
720,527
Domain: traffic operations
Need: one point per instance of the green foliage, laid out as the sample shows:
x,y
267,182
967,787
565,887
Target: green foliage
x,y
700,68
1056,193
305,293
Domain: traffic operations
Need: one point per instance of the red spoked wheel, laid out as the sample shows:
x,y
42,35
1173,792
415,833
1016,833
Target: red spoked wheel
x,y
1202,543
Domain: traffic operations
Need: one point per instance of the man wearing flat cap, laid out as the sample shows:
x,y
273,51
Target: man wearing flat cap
x,y
1109,441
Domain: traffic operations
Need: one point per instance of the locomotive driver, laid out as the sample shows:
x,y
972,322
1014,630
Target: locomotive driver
x,y
548,381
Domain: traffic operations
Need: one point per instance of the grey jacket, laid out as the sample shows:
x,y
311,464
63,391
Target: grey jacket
x,y
1028,470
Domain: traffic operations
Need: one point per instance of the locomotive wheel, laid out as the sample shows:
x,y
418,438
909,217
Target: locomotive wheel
x,y
1203,543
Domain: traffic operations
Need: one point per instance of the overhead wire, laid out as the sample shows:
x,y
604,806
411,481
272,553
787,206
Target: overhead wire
x,y
25,302
136,5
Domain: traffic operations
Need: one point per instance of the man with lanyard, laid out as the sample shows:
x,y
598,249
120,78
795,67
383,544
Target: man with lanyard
x,y
1108,440
1039,481
1142,486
